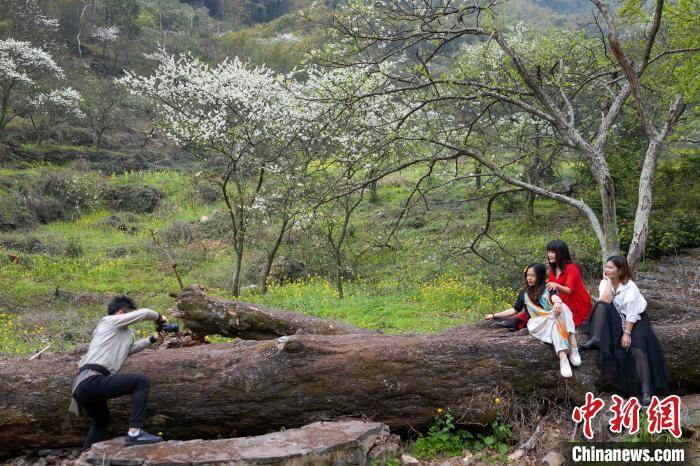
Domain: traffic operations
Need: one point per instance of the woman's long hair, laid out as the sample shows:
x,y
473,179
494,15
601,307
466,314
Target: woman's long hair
x,y
563,256
535,292
624,270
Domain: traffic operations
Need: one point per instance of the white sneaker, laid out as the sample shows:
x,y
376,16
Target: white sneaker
x,y
565,368
574,357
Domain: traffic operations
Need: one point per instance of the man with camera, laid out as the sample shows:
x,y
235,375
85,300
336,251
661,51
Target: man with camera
x,y
98,377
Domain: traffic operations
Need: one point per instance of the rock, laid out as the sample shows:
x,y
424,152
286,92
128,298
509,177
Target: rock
x,y
135,198
690,412
408,460
347,442
385,447
50,452
553,458
467,459
287,269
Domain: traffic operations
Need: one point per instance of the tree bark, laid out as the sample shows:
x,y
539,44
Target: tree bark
x,y
205,315
644,201
270,257
251,387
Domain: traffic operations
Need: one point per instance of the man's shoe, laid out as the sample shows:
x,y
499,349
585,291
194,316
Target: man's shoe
x,y
143,438
592,343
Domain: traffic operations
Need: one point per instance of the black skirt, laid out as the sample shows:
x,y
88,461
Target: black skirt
x,y
625,369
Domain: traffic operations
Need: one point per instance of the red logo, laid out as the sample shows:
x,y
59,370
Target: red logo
x,y
662,415
587,412
665,415
625,415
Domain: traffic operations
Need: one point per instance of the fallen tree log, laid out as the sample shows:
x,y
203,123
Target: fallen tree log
x,y
252,387
205,315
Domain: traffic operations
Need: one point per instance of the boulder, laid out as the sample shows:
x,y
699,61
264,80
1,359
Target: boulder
x,y
320,443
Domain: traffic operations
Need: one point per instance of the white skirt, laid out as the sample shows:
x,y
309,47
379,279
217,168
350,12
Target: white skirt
x,y
552,330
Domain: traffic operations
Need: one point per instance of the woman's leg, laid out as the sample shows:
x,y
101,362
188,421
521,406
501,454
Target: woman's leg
x,y
510,323
641,366
598,319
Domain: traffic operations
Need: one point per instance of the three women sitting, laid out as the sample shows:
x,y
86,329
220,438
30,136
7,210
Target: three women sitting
x,y
630,353
550,320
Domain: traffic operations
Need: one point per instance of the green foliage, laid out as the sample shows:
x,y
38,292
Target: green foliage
x,y
674,223
122,13
444,438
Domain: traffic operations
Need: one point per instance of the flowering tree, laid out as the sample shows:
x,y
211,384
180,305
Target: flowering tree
x,y
241,112
356,145
25,72
455,59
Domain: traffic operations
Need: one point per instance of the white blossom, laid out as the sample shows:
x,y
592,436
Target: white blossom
x,y
106,33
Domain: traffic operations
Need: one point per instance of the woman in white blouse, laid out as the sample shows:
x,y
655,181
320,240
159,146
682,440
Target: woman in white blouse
x,y
630,353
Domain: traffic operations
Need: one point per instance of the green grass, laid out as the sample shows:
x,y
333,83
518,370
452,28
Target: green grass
x,y
390,305
413,286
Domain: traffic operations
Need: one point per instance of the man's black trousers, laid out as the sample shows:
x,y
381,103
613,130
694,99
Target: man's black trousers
x,y
92,395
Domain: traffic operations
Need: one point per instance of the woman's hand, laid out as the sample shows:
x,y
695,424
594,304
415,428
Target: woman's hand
x,y
551,286
490,316
626,341
556,310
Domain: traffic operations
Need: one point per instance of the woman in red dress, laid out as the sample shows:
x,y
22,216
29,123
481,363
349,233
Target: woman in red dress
x,y
565,278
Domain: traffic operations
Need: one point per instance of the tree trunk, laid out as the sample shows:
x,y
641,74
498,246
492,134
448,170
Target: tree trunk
x,y
611,239
373,194
236,279
644,201
271,255
248,387
339,279
205,315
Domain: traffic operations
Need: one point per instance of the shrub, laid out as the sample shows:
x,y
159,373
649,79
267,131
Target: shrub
x,y
15,214
135,198
207,193
668,232
121,222
76,193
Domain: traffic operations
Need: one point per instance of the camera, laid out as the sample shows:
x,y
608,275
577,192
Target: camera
x,y
169,328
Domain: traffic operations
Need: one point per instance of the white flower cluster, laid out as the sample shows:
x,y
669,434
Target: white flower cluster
x,y
23,67
106,34
21,62
48,22
68,100
224,105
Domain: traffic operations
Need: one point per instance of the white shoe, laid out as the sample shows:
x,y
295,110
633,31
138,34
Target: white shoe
x,y
565,368
574,357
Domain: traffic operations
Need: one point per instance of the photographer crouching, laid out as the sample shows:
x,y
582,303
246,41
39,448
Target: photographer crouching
x,y
98,377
